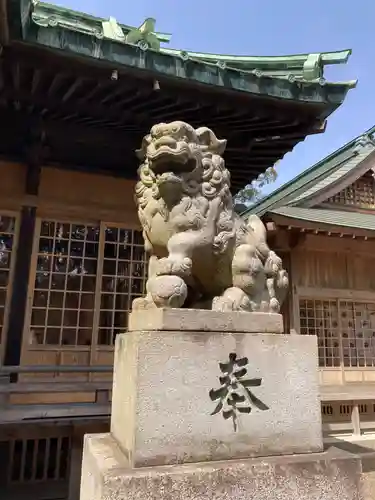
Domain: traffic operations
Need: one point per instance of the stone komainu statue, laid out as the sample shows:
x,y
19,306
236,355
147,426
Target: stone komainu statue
x,y
202,254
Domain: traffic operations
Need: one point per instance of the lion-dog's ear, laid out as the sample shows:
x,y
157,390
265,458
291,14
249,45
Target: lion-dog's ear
x,y
209,141
141,152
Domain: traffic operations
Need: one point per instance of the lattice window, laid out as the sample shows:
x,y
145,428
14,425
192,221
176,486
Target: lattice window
x,y
359,194
345,330
319,317
7,250
123,279
64,292
86,277
37,460
358,333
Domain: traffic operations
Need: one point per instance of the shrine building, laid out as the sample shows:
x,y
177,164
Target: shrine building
x,y
77,94
322,223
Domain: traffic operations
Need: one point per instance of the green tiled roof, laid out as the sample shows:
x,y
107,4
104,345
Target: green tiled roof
x,y
301,67
345,167
292,77
339,218
319,176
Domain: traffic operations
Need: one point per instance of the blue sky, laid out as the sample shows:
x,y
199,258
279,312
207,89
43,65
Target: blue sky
x,y
271,27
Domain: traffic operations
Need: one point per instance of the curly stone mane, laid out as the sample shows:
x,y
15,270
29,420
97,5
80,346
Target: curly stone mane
x,y
210,179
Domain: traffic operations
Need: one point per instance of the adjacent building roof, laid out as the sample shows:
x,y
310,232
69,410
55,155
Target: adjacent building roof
x,y
97,74
299,199
316,217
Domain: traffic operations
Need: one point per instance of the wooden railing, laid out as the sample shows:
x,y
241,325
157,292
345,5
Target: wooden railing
x,y
50,400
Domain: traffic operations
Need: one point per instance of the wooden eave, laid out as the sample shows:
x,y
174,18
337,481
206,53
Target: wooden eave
x,y
311,227
93,101
93,122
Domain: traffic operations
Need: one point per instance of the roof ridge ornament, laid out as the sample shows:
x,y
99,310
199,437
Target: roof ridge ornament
x,y
112,30
144,36
362,142
312,69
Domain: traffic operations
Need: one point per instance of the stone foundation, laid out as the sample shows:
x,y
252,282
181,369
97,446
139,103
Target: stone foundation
x,y
333,475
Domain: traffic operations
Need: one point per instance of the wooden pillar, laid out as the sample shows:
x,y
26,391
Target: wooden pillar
x,y
285,307
295,240
33,144
4,460
18,298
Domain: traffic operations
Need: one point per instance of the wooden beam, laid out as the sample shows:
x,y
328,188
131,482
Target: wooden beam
x,y
33,174
41,387
34,156
66,143
296,237
115,114
22,413
106,114
336,293
62,133
4,30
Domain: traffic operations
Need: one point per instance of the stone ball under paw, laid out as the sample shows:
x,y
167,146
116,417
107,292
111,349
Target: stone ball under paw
x,y
167,291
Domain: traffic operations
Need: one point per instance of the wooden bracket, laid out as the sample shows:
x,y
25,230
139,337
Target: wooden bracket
x,y
296,237
34,156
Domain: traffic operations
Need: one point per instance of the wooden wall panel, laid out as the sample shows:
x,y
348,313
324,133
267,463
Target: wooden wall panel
x,y
12,186
362,272
324,243
96,196
336,263
66,192
55,356
319,269
52,398
354,271
103,357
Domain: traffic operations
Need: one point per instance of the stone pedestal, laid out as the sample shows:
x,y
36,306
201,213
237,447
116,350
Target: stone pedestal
x,y
165,383
210,405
